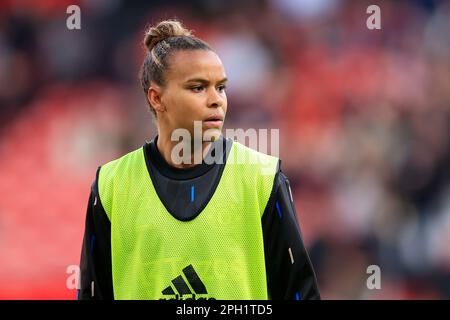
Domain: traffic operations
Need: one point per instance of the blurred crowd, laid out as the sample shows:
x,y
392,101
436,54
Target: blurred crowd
x,y
364,120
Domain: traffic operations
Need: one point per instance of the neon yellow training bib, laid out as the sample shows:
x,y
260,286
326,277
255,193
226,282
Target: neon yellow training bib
x,y
217,255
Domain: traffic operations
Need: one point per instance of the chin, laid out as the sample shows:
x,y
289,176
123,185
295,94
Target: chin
x,y
212,134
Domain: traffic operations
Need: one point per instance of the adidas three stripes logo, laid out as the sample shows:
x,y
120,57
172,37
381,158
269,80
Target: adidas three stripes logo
x,y
182,288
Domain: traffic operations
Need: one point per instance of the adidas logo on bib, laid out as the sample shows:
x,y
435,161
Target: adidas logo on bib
x,y
180,288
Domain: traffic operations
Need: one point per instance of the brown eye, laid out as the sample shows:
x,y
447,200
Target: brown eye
x,y
197,89
222,87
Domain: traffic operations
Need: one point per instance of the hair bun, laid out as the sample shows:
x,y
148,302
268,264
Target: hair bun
x,y
163,30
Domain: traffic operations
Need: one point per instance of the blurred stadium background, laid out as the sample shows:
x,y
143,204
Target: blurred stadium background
x,y
363,118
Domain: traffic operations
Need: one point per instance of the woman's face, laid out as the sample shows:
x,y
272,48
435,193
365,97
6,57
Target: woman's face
x,y
194,91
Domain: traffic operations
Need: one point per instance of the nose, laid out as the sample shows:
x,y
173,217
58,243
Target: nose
x,y
215,99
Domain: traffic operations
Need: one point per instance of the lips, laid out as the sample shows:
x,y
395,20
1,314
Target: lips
x,y
214,120
214,117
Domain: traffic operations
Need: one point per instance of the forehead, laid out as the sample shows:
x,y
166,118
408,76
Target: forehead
x,y
188,64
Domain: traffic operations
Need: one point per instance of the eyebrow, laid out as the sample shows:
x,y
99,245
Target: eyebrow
x,y
201,80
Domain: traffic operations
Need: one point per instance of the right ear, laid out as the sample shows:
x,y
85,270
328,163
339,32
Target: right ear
x,y
154,97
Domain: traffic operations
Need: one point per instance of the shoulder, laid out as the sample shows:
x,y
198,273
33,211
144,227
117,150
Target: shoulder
x,y
112,173
243,148
245,155
108,172
123,159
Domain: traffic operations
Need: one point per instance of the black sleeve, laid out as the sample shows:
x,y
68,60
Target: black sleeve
x,y
290,274
95,263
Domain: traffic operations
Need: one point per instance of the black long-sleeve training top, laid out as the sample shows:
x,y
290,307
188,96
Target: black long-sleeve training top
x,y
289,271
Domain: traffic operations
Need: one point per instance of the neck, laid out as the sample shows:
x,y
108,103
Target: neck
x,y
197,151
